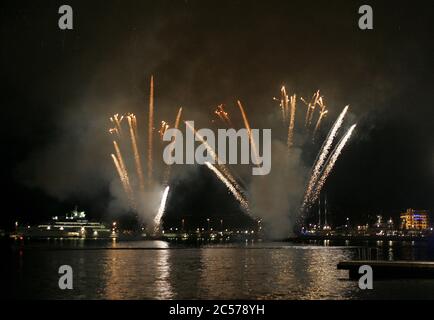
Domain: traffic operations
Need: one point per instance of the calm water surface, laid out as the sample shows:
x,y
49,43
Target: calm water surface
x,y
158,270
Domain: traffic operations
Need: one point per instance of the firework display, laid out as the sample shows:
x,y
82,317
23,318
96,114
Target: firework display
x,y
321,169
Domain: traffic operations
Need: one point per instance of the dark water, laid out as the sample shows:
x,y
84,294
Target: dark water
x,y
158,270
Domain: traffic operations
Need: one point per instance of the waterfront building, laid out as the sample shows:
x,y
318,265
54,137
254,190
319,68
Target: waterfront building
x,y
415,220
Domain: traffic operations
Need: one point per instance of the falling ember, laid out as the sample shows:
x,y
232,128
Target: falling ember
x,y
131,120
331,162
157,219
249,131
293,100
229,185
150,128
322,156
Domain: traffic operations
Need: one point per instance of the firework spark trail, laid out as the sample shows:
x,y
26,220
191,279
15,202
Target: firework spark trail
x,y
249,131
230,186
121,174
313,105
178,117
136,153
293,100
124,180
207,146
159,215
163,128
218,113
169,168
215,157
321,115
134,120
322,156
282,104
308,107
150,128
114,131
117,122
284,101
321,103
225,115
331,162
121,162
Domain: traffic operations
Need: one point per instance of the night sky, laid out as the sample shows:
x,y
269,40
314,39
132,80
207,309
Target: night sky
x,y
60,87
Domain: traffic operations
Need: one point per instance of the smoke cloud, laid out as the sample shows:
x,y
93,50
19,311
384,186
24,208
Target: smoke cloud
x,y
276,197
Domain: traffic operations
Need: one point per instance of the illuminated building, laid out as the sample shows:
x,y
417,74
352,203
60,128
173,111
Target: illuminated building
x,y
415,220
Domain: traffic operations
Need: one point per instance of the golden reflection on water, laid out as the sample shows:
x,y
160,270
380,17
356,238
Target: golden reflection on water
x,y
297,273
162,282
155,270
294,272
138,274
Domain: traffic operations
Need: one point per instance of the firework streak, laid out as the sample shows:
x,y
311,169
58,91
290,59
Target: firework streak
x,y
321,115
313,105
131,120
291,121
284,103
157,219
150,128
230,186
117,122
121,174
215,157
331,162
322,156
124,180
121,161
249,131
168,169
163,128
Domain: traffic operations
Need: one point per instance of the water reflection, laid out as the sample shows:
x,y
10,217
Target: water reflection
x,y
142,274
289,273
157,270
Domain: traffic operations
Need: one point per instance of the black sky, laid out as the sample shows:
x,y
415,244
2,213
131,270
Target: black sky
x,y
55,84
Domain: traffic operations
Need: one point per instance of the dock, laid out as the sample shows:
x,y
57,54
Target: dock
x,y
390,269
